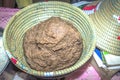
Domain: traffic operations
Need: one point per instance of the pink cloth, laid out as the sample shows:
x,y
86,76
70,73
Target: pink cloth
x,y
116,76
5,15
85,73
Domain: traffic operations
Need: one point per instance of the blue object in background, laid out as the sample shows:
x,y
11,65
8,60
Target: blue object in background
x,y
98,52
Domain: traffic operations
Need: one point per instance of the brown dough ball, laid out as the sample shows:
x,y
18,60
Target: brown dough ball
x,y
52,45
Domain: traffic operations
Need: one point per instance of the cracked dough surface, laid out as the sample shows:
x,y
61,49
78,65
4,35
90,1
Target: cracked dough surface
x,y
51,45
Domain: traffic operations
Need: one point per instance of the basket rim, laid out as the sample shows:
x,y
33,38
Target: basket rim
x,y
63,3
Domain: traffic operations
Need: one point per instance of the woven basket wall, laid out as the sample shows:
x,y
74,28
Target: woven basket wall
x,y
107,25
35,13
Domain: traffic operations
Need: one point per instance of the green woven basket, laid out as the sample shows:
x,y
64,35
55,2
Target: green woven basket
x,y
35,13
108,26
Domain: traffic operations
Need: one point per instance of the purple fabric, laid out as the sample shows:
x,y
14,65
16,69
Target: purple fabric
x,y
5,15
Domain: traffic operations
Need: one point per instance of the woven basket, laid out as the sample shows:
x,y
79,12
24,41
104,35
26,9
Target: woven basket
x,y
108,26
35,13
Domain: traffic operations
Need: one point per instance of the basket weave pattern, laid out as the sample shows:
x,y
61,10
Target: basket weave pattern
x,y
35,13
107,26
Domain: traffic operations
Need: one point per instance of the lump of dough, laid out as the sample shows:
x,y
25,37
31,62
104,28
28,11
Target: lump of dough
x,y
51,45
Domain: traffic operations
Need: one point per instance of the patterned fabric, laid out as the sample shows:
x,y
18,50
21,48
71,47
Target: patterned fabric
x,y
3,57
5,15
